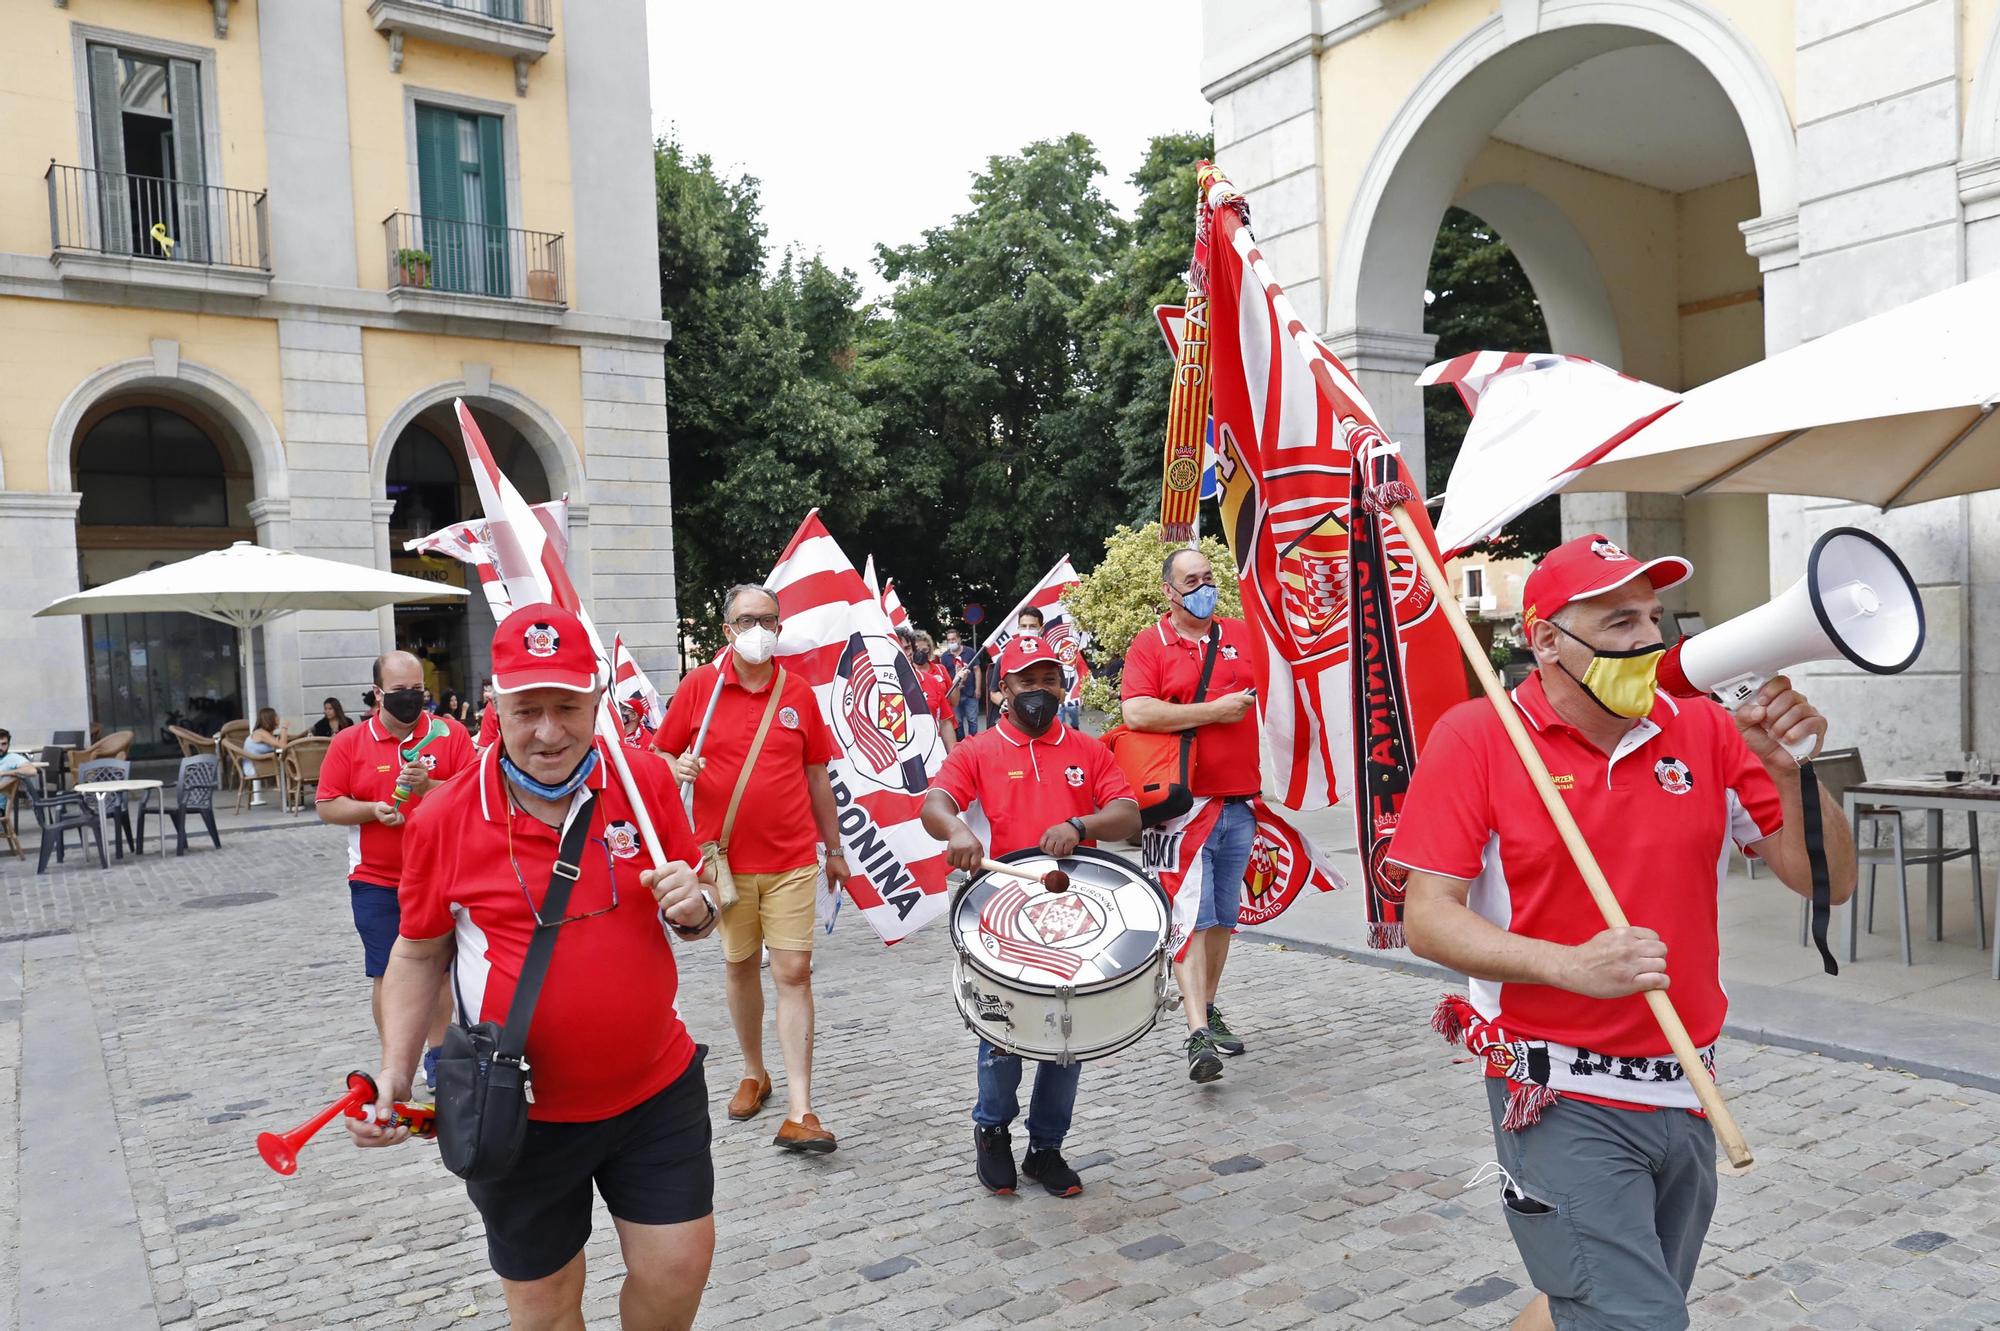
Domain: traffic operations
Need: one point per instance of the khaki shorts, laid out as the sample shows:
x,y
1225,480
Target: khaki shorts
x,y
772,909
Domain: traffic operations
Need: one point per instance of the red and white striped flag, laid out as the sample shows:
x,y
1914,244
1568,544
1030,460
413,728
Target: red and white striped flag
x,y
869,577
1283,407
467,543
526,545
1283,864
1057,628
892,606
631,688
838,639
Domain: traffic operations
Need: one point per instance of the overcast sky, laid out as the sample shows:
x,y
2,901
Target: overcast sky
x,y
866,120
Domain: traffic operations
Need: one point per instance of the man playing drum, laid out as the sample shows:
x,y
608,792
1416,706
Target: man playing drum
x,y
1040,785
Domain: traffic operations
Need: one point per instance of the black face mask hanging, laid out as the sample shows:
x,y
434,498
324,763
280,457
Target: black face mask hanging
x,y
1033,710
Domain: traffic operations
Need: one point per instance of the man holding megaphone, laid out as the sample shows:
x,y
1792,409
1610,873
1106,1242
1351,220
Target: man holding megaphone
x,y
1608,1166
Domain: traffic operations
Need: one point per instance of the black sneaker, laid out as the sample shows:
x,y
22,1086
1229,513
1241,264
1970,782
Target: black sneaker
x,y
1218,1031
1048,1168
1204,1064
996,1160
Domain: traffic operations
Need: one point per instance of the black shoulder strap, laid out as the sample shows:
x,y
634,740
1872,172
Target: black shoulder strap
x,y
1200,694
563,874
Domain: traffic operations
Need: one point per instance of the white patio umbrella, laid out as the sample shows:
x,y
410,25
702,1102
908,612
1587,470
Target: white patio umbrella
x,y
1890,411
248,586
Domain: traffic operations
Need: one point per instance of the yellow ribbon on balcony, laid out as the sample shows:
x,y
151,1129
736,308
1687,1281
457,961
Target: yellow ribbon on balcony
x,y
162,239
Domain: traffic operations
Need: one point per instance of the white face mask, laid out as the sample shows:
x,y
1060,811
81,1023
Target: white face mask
x,y
756,645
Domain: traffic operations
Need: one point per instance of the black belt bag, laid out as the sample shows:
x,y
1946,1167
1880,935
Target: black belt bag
x,y
482,1084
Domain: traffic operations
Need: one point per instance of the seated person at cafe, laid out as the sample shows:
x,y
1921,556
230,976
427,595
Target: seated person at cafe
x,y
333,719
12,763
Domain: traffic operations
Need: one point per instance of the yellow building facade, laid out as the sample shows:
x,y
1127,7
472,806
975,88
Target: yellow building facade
x,y
250,251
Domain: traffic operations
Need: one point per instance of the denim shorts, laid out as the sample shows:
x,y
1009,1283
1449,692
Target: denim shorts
x,y
1224,858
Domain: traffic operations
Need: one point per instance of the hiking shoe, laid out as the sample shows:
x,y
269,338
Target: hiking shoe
x,y
1218,1031
1048,1168
1204,1064
995,1150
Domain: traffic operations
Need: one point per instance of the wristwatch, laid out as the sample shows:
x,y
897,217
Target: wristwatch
x,y
1077,823
689,931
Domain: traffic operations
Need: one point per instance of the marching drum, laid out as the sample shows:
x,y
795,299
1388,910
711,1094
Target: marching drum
x,y
1061,976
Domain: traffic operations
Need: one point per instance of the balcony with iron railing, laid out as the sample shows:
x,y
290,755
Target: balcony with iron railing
x,y
129,230
445,266
518,29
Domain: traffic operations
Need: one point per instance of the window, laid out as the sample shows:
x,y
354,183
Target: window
x,y
146,136
150,467
1475,583
462,189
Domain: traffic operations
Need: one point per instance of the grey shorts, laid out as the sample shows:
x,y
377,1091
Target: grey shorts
x,y
1616,1205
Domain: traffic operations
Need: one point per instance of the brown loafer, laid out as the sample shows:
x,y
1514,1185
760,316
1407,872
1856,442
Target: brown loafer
x,y
804,1135
749,1098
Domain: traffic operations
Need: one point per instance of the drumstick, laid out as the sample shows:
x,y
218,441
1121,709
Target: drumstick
x,y
1055,880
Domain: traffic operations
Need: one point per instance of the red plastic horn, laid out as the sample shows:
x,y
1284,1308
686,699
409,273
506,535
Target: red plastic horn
x,y
281,1150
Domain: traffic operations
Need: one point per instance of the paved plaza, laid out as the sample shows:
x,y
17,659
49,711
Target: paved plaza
x,y
165,1012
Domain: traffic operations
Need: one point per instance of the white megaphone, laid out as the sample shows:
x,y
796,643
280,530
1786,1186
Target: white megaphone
x,y
1856,603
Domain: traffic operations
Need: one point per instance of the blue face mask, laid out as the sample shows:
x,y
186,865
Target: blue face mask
x,y
1201,601
566,788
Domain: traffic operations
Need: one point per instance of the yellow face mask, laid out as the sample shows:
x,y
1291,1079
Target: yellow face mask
x,y
1622,683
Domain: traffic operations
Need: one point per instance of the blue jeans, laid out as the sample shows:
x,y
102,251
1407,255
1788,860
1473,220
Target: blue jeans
x,y
1049,1108
1224,857
967,711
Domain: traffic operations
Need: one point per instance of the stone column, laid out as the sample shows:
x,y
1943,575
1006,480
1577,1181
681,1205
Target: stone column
x,y
1880,224
42,674
623,557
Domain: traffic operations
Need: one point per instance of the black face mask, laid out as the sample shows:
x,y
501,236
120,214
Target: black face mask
x,y
1034,710
406,705
923,655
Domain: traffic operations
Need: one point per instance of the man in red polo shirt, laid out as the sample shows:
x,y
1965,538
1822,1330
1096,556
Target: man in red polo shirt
x,y
1609,1170
1040,784
1162,675
617,1094
358,780
786,813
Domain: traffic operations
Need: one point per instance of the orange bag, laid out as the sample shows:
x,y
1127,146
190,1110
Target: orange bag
x,y
1156,765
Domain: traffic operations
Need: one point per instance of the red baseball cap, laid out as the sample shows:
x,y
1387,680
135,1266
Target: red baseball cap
x,y
543,646
1590,566
1025,650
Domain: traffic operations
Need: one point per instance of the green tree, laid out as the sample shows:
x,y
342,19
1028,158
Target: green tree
x,y
1479,299
761,387
1121,596
978,373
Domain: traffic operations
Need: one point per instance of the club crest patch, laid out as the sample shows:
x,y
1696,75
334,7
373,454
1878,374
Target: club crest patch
x,y
1608,550
541,640
1074,775
788,717
623,838
1228,652
1673,776
429,760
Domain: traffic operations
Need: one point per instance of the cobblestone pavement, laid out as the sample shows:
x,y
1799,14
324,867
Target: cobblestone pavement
x,y
1319,1183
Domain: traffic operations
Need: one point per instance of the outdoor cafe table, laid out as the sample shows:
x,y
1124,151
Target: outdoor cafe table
x,y
104,790
1934,797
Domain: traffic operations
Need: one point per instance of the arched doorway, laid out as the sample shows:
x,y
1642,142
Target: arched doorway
x,y
430,484
161,480
1619,165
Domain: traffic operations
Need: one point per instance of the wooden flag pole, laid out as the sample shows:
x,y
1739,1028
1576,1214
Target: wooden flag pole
x,y
1678,1039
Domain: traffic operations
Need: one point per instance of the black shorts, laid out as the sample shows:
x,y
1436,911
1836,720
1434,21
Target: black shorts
x,y
651,1163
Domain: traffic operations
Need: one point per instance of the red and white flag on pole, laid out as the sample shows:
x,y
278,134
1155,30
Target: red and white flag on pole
x,y
1349,692
1058,628
631,688
467,543
892,606
526,545
837,637
869,576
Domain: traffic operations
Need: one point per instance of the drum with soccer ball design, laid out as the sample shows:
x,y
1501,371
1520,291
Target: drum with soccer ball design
x,y
1061,976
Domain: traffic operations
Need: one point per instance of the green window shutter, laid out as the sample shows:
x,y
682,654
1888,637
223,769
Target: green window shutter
x,y
107,124
439,199
189,217
493,200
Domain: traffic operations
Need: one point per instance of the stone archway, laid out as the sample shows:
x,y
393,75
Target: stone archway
x,y
1551,251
